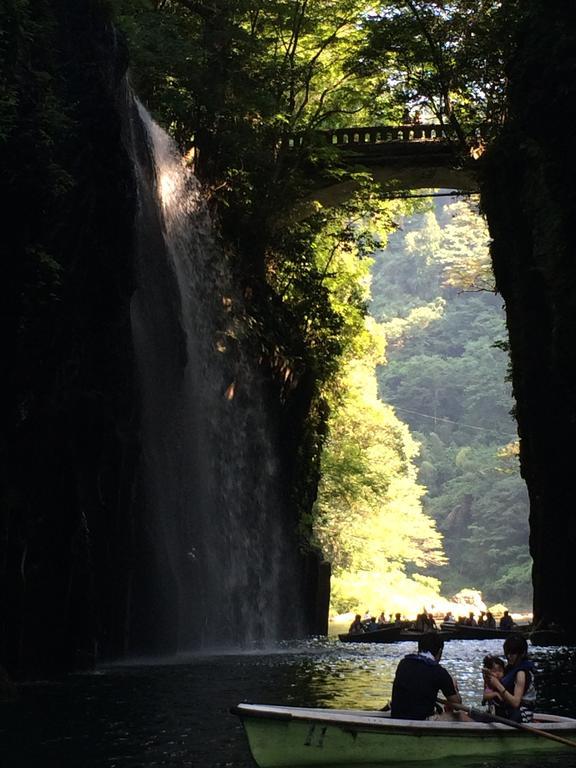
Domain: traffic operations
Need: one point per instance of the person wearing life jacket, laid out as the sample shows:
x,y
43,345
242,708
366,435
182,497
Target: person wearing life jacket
x,y
356,627
419,677
516,689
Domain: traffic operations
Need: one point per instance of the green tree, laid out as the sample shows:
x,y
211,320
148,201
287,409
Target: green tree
x,y
446,57
369,518
446,377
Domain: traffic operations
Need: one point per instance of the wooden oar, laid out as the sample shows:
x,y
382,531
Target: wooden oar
x,y
485,717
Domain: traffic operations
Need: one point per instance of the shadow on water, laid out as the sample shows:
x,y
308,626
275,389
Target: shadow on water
x,y
175,712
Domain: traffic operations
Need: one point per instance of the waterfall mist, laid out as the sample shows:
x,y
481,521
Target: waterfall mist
x,y
216,555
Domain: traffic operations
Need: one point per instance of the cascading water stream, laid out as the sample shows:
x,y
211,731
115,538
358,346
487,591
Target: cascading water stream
x,y
216,528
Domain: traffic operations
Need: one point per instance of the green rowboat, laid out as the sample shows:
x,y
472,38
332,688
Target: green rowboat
x,y
294,737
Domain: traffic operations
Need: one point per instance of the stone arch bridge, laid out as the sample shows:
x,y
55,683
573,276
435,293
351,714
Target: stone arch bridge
x,y
401,158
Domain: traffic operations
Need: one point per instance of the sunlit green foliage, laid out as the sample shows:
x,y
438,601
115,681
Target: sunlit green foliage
x,y
482,510
239,79
234,81
369,518
446,375
369,503
250,66
447,57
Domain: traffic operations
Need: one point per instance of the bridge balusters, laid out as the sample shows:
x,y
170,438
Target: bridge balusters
x,y
387,133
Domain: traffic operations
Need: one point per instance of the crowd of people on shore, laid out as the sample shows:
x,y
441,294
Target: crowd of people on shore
x,y
425,622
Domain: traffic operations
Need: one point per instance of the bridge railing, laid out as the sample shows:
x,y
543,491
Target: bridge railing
x,y
341,137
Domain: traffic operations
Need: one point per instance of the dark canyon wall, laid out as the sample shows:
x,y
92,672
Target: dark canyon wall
x,y
68,436
80,578
529,196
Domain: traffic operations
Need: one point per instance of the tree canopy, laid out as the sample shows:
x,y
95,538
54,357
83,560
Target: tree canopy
x,y
446,376
236,82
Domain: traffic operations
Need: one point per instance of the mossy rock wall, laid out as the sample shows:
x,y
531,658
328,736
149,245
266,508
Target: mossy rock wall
x,y
529,196
69,416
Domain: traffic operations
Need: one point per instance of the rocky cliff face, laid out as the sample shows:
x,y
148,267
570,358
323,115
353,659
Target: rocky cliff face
x,y
76,570
68,422
529,196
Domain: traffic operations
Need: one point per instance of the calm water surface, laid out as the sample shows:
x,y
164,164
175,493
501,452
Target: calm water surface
x,y
175,713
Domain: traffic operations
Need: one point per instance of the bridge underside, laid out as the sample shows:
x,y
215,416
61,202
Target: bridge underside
x,y
401,169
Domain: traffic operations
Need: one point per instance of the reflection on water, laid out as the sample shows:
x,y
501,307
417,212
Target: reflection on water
x,y
175,713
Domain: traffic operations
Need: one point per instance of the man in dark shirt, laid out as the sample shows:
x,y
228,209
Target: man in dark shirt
x,y
418,679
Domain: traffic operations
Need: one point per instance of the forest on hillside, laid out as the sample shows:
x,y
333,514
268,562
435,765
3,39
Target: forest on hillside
x,y
420,493
446,375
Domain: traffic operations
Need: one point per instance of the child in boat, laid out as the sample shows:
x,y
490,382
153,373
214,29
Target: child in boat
x,y
516,688
493,667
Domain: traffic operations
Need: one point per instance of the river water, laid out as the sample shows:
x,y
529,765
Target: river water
x,y
175,712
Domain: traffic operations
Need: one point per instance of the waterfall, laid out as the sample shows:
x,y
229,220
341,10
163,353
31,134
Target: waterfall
x,y
216,555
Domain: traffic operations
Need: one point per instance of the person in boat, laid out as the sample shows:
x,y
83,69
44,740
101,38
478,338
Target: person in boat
x,y
492,667
506,622
471,621
371,624
356,627
449,619
482,619
421,623
425,622
382,619
490,621
419,677
516,688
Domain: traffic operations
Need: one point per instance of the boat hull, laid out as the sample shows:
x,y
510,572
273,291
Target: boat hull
x,y
395,634
409,635
463,632
385,635
290,737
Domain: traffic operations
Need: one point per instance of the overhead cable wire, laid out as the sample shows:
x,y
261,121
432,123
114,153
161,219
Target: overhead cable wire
x,y
456,423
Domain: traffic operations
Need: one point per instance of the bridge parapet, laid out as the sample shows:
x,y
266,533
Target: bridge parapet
x,y
384,134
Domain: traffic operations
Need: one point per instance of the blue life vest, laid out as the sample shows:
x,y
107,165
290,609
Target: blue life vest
x,y
524,712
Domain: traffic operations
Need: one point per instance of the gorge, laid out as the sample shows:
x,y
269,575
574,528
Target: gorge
x,y
161,425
